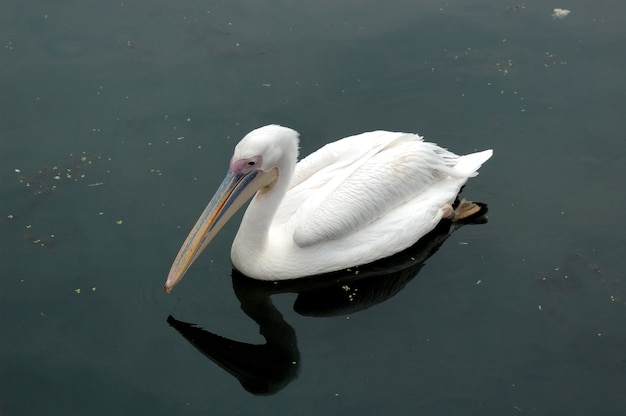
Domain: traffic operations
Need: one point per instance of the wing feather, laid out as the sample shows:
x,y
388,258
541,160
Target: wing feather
x,y
320,173
394,174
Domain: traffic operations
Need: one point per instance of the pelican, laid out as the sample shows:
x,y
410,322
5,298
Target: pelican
x,y
354,201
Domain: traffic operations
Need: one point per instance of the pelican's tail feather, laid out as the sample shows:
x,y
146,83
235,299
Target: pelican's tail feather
x,y
468,165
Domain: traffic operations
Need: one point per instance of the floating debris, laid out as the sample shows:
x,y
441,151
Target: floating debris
x,y
46,180
50,241
551,58
560,13
505,66
77,290
516,8
41,185
576,275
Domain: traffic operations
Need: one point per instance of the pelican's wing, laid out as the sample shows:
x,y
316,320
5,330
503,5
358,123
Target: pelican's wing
x,y
322,171
349,184
345,153
398,172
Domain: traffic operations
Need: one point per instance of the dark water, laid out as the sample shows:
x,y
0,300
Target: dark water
x,y
117,121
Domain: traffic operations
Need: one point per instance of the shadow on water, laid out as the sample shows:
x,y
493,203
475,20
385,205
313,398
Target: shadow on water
x,y
266,369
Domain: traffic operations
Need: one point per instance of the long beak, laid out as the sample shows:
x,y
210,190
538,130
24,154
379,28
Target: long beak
x,y
235,190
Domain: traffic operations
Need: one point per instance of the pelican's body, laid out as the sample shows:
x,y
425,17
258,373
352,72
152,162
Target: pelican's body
x,y
354,201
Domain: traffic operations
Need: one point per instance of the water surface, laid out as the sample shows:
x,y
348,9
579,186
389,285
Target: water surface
x,y
117,121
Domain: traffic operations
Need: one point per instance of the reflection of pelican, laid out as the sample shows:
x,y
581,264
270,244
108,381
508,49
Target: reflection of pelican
x,y
261,369
354,201
267,368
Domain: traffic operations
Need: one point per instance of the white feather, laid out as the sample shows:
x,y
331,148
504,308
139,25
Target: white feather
x,y
353,201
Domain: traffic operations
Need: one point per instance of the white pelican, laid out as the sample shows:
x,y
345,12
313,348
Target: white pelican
x,y
359,199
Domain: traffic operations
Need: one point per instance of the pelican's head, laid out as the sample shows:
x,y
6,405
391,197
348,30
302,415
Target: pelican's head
x,y
270,142
255,166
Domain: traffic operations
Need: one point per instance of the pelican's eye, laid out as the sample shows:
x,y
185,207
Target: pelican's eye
x,y
246,165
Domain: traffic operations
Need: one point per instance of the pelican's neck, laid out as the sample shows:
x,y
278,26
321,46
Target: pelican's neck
x,y
252,238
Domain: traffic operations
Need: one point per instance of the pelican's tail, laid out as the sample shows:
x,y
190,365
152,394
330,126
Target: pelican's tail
x,y
468,165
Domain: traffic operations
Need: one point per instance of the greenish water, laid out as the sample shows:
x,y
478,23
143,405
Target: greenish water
x,y
135,107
